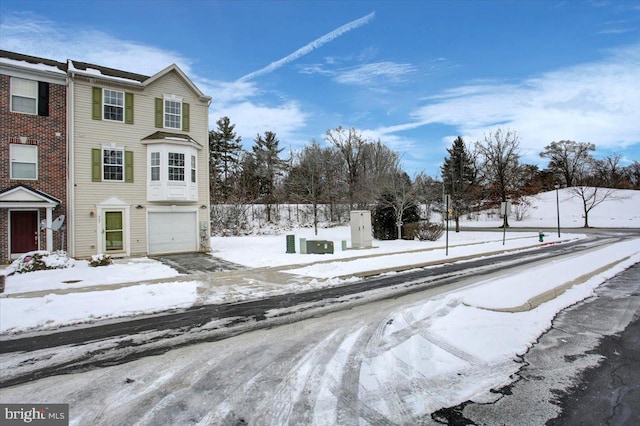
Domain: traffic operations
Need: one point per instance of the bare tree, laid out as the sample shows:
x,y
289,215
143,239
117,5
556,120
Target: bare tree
x,y
350,145
500,164
609,172
633,174
591,197
428,192
398,194
307,178
568,159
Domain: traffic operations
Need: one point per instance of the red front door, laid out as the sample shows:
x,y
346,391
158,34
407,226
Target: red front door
x,y
24,231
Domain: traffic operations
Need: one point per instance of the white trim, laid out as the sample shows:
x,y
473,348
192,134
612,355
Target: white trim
x,y
124,104
109,205
113,147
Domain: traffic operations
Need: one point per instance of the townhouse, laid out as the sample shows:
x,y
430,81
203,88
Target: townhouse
x,y
33,163
136,163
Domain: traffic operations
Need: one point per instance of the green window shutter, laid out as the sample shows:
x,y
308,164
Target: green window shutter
x,y
128,166
96,104
159,113
185,116
96,165
128,108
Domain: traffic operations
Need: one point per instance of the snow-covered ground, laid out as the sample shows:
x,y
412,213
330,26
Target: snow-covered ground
x,y
458,344
66,307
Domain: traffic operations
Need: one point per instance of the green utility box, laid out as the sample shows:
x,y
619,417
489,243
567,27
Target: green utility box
x,y
319,247
540,237
291,243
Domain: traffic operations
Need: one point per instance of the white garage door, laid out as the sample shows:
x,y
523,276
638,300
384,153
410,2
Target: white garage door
x,y
172,232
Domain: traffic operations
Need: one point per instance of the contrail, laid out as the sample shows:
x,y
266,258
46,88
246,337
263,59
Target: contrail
x,y
310,47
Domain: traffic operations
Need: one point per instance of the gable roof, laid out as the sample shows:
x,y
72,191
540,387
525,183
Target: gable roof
x,y
87,69
182,75
22,194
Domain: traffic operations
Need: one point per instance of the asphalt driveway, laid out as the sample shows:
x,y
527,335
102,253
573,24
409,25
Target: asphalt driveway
x,y
196,263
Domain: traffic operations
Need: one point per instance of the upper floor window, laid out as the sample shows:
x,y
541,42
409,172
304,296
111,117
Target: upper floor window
x,y
113,164
113,105
176,166
155,166
172,114
24,161
193,168
24,95
29,96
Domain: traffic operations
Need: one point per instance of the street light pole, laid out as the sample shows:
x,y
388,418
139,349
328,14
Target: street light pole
x,y
557,186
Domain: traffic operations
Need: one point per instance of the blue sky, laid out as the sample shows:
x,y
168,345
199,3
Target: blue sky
x,y
414,74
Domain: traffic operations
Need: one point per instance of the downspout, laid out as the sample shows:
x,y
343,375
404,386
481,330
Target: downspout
x,y
70,163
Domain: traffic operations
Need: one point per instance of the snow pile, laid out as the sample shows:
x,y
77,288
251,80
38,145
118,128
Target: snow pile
x,y
40,261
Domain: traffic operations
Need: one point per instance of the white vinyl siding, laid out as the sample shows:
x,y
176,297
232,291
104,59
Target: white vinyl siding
x,y
98,133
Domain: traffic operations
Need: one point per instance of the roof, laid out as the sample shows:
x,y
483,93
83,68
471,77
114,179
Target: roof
x,y
33,60
172,137
99,70
18,60
25,194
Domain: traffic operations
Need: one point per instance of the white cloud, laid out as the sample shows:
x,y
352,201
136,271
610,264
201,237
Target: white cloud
x,y
32,35
372,72
251,119
593,102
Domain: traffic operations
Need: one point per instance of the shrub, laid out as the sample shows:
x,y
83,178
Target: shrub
x,y
40,261
423,231
100,260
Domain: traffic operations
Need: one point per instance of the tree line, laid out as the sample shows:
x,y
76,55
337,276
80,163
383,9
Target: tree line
x,y
351,170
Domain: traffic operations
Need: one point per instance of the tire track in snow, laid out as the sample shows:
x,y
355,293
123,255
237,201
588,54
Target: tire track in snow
x,y
350,408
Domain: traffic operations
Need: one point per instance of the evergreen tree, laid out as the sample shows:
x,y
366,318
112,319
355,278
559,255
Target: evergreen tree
x,y
268,166
224,149
459,175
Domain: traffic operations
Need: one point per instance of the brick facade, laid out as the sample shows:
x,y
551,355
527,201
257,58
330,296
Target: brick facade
x,y
49,134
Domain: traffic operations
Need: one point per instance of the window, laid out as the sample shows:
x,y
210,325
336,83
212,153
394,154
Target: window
x,y
172,114
112,164
193,168
24,95
176,166
24,161
155,166
113,105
